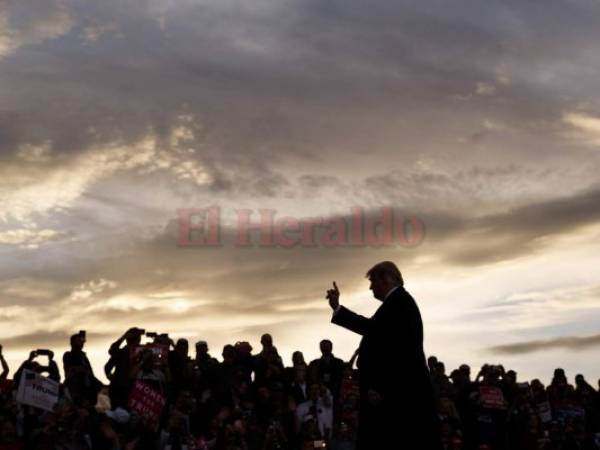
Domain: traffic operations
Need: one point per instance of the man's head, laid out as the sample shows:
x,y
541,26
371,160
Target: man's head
x,y
77,342
383,277
511,377
326,347
228,354
297,358
133,337
182,347
559,376
431,362
439,369
266,340
201,348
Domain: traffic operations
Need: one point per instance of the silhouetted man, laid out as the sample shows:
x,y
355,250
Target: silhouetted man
x,y
180,366
266,358
298,389
397,408
121,362
328,368
79,376
205,365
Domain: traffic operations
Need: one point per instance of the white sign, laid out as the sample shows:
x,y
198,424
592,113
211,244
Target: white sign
x,y
36,390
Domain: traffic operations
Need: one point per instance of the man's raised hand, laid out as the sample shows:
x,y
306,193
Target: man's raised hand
x,y
333,295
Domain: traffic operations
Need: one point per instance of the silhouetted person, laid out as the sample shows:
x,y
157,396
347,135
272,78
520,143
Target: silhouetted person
x,y
266,361
328,368
266,340
203,358
397,401
298,389
297,360
121,361
145,369
79,375
318,407
180,366
431,362
205,366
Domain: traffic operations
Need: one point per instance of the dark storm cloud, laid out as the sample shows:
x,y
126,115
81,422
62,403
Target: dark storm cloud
x,y
518,232
270,79
575,343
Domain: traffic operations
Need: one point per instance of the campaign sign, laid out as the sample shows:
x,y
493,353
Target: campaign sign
x,y
147,402
36,390
491,397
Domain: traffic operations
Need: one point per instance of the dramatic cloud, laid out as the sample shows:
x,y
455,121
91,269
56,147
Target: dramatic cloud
x,y
28,238
568,342
20,23
588,127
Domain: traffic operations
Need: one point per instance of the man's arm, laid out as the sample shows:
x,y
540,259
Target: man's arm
x,y
116,346
108,368
343,316
4,373
351,321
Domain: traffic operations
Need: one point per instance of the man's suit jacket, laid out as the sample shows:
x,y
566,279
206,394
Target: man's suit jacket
x,y
391,361
297,393
329,373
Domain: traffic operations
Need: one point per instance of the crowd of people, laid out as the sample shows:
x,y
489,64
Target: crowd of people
x,y
160,397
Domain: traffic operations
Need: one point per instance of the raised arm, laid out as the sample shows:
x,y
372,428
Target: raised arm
x,y
343,316
351,321
5,370
115,346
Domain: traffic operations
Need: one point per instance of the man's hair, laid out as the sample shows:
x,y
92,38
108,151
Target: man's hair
x,y
73,337
386,270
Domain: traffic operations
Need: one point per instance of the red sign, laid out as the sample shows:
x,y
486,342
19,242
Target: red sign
x,y
491,397
147,402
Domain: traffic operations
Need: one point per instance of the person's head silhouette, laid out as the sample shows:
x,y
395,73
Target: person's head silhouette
x,y
383,277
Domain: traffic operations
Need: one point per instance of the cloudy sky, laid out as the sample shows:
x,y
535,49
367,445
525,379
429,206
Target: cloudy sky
x,y
481,119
